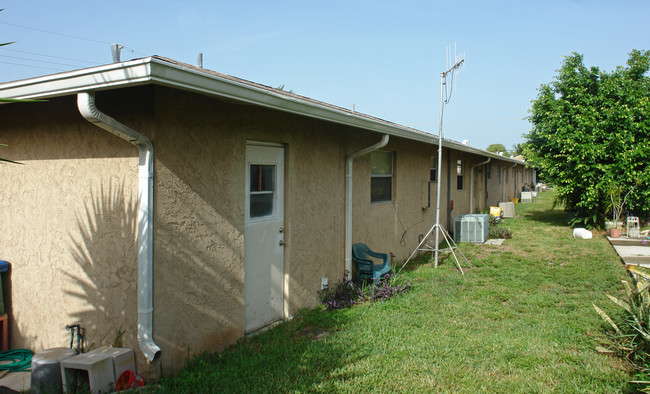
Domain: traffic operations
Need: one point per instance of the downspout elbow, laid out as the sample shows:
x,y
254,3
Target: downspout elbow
x,y
348,199
482,163
87,108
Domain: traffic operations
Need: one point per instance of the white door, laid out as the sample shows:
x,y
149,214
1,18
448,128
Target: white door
x,y
264,236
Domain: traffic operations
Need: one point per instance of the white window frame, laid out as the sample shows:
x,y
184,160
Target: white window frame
x,y
433,169
390,175
460,173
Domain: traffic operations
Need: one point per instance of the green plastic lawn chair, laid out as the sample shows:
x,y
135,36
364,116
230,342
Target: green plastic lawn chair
x,y
366,267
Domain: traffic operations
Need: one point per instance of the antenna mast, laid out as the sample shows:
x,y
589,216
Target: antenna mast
x,y
445,97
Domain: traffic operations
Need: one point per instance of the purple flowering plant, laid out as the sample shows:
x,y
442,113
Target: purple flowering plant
x,y
346,293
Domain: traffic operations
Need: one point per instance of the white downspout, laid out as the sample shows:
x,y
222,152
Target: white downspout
x,y
348,200
503,184
87,108
471,185
516,193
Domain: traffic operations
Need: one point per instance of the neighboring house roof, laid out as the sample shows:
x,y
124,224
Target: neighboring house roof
x,y
168,72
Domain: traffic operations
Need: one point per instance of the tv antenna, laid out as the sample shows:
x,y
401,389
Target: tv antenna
x,y
426,245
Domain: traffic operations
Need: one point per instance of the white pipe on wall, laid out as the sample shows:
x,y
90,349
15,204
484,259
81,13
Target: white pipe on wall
x,y
471,185
348,200
87,108
515,182
504,173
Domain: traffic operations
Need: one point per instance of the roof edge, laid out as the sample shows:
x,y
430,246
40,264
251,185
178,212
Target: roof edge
x,y
167,72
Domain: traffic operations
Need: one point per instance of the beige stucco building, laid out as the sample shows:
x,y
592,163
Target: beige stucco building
x,y
187,207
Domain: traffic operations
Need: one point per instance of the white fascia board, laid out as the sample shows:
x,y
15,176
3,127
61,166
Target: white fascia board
x,y
153,70
164,73
182,78
465,148
97,78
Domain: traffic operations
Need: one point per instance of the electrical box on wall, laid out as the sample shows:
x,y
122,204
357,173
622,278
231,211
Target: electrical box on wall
x,y
324,283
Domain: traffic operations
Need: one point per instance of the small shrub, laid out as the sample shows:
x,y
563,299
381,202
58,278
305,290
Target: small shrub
x,y
343,295
499,232
494,220
385,288
347,293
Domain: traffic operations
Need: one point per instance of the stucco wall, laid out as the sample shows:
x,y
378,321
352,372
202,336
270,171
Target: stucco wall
x,y
200,215
396,226
67,218
68,214
502,188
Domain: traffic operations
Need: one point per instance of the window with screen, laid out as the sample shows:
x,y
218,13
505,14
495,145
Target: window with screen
x,y
381,176
433,172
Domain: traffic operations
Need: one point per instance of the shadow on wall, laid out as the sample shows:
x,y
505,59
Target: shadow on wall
x,y
198,276
104,295
198,279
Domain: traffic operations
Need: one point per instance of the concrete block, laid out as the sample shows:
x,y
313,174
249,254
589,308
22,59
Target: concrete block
x,y
123,359
88,372
46,369
96,371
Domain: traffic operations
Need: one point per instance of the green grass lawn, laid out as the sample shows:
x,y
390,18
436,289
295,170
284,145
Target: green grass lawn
x,y
519,320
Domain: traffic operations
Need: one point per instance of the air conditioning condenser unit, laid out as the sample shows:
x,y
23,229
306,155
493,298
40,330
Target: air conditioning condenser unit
x,y
471,228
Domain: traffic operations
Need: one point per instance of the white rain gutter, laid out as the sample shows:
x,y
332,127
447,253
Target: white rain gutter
x,y
471,185
348,200
87,108
167,72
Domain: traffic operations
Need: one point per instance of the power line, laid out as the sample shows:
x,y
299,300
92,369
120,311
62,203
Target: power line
x,y
50,56
58,34
29,65
70,36
39,61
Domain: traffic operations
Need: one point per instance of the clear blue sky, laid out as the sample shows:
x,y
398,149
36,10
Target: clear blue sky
x,y
385,57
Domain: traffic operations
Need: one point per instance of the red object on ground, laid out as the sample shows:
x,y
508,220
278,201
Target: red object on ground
x,y
128,380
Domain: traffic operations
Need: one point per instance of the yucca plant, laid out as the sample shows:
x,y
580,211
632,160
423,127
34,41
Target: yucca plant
x,y
632,333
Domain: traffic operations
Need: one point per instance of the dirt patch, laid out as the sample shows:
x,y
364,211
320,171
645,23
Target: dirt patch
x,y
314,333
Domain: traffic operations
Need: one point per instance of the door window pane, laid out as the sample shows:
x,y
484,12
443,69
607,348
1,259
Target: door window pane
x,y
261,205
262,178
262,190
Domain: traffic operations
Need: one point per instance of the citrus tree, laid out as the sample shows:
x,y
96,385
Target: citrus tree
x,y
590,127
496,148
